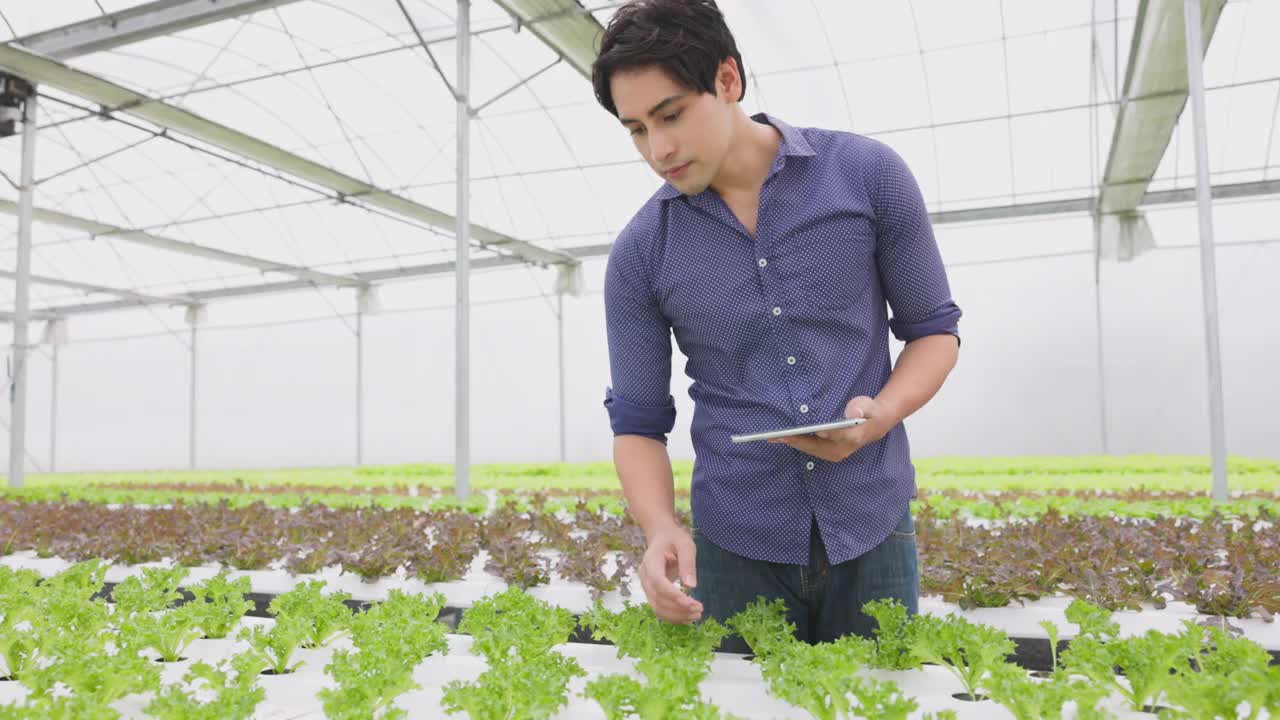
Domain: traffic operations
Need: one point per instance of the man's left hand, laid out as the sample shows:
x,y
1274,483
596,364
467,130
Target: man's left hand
x,y
836,445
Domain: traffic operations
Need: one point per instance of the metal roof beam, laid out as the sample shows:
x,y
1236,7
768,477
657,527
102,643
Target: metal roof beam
x,y
6,316
116,98
93,228
563,25
1155,91
584,252
135,297
204,296
135,24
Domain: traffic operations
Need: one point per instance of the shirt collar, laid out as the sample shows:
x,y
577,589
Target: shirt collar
x,y
793,145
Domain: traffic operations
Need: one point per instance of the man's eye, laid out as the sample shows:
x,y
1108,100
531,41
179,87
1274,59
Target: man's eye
x,y
636,131
672,117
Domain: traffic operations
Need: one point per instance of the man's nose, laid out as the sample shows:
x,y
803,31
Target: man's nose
x,y
661,148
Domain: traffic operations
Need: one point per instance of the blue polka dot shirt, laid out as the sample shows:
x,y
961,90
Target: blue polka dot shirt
x,y
780,329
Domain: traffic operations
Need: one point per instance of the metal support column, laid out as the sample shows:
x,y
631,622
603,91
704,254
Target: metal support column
x,y
55,336
360,384
191,425
568,280
462,329
53,412
1195,76
22,299
560,363
1101,338
367,303
195,316
1097,229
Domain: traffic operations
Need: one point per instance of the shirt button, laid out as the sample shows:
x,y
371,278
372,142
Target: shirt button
x,y
762,262
808,465
804,408
777,311
791,359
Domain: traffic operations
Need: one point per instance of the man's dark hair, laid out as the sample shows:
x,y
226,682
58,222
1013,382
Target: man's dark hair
x,y
686,38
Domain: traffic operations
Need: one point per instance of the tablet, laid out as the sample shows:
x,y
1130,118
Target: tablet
x,y
803,430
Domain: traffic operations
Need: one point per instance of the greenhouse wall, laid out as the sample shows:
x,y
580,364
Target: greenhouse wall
x,y
278,389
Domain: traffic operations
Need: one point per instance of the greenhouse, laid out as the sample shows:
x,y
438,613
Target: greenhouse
x,y
329,362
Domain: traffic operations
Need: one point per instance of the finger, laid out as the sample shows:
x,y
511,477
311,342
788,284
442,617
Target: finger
x,y
666,616
662,609
677,617
655,571
675,611
843,436
860,407
674,597
811,445
686,557
663,592
655,592
680,600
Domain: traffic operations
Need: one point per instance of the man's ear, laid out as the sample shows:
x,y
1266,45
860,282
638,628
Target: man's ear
x,y
728,81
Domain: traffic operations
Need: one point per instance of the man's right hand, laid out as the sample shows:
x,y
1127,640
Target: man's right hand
x,y
670,555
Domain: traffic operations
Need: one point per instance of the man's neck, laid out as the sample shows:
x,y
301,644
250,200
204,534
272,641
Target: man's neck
x,y
749,158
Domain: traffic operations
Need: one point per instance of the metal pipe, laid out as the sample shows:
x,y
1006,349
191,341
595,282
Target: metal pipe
x,y
53,412
1100,337
560,363
462,270
191,427
22,299
1097,229
360,384
1208,276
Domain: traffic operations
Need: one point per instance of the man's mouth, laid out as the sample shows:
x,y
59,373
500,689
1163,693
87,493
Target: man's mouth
x,y
677,171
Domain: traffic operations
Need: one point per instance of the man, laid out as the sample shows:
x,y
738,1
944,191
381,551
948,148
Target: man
x,y
771,253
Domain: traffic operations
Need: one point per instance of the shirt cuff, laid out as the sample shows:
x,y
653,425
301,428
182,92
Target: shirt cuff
x,y
651,421
944,321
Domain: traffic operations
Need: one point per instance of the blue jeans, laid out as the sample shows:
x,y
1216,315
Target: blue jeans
x,y
823,601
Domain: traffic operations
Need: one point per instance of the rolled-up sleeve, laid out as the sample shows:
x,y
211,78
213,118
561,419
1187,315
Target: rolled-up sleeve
x,y
639,402
907,257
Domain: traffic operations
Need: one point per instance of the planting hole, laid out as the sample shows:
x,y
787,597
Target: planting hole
x,y
968,698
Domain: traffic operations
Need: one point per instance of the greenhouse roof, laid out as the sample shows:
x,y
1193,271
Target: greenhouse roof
x,y
191,150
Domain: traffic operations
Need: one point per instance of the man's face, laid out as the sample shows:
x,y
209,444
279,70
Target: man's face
x,y
683,134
